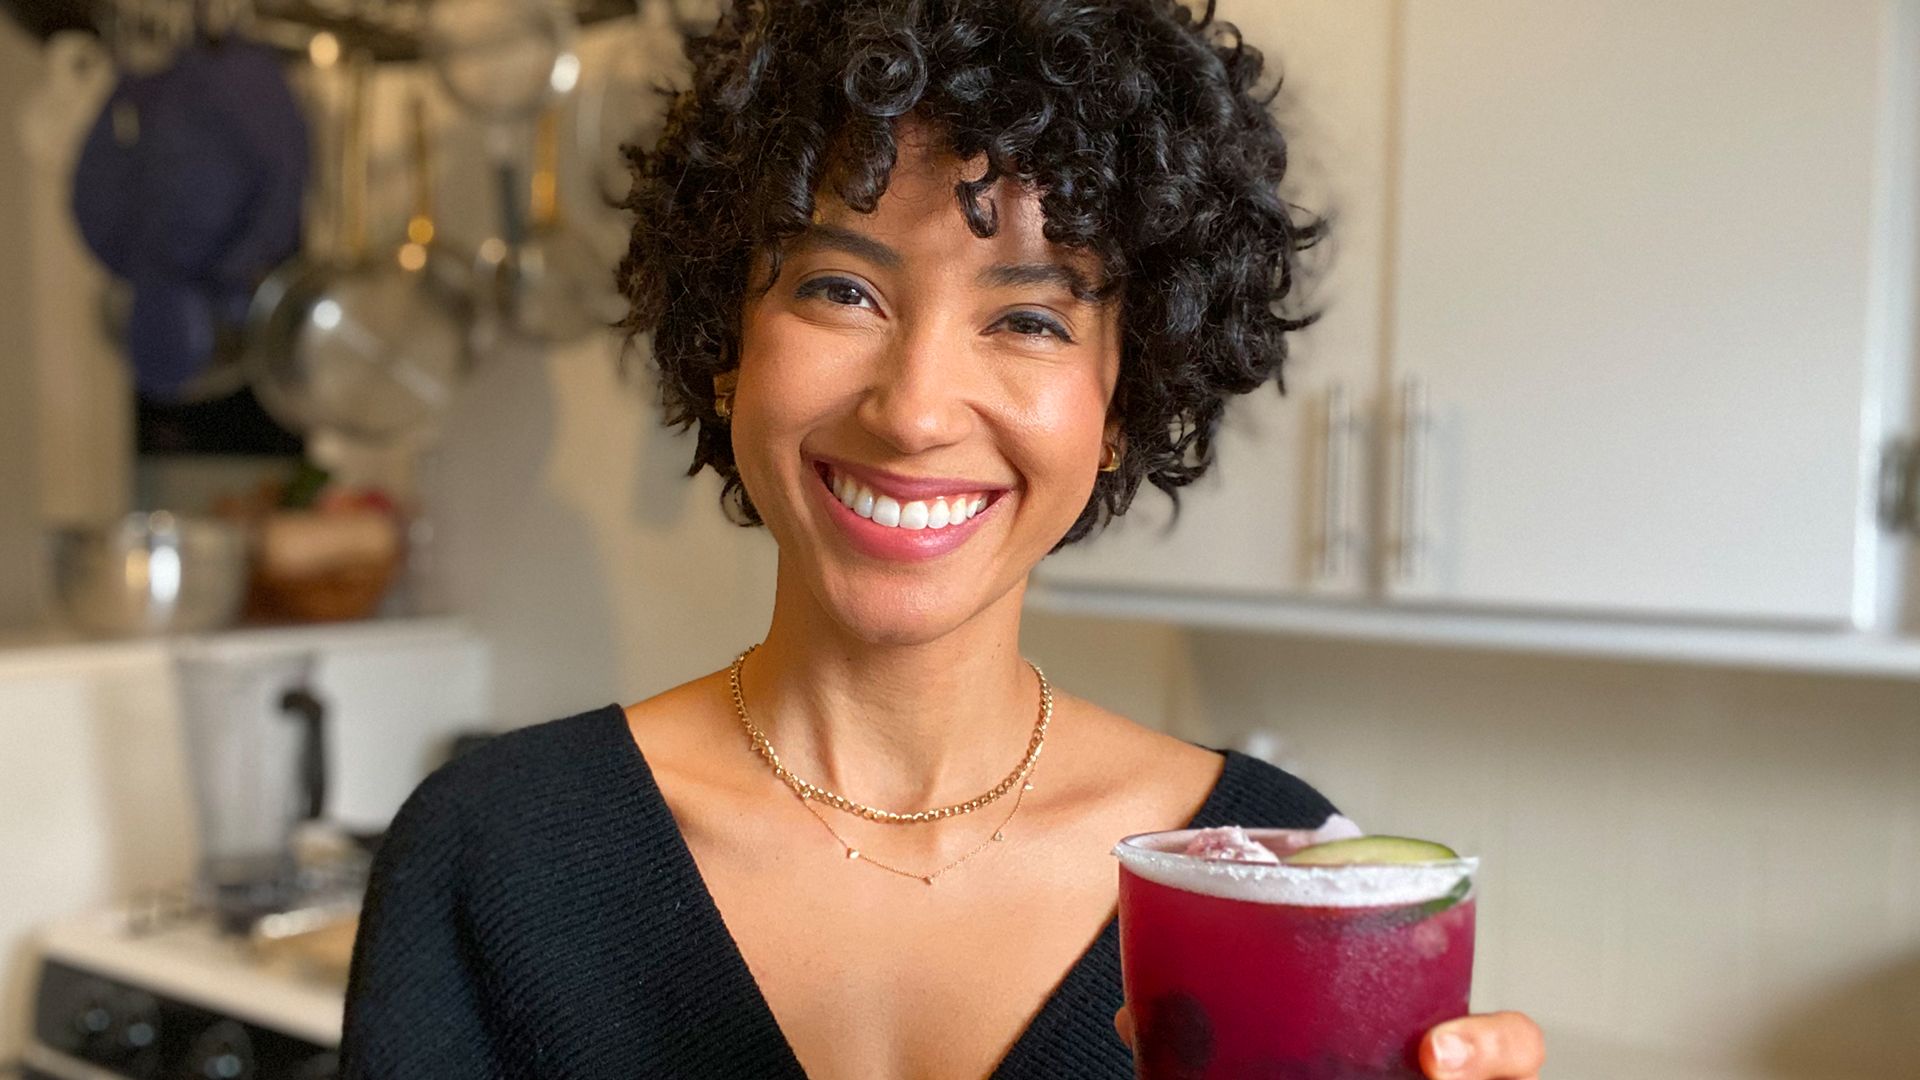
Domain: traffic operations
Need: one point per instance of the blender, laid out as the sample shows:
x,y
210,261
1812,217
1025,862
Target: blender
x,y
256,747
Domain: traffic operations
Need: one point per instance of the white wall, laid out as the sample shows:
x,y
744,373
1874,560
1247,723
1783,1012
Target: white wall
x,y
574,543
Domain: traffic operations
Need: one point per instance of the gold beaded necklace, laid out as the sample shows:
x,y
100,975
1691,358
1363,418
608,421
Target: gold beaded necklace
x,y
810,793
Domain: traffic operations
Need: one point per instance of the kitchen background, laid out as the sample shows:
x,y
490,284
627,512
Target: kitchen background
x,y
1583,537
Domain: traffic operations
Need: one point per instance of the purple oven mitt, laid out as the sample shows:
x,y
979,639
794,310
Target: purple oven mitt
x,y
242,90
189,186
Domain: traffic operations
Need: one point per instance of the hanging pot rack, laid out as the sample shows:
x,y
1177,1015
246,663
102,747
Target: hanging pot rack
x,y
393,32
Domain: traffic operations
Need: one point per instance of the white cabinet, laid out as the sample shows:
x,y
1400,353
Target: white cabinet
x,y
1284,510
1638,279
1620,285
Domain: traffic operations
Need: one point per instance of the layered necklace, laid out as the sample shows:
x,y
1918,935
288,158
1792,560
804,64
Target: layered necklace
x,y
1019,781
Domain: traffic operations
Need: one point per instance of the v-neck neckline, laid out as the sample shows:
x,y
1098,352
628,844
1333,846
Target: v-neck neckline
x,y
705,930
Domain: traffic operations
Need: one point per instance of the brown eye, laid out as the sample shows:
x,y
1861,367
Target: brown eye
x,y
835,290
1034,324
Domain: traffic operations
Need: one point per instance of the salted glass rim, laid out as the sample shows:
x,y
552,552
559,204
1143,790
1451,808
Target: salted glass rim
x,y
1349,885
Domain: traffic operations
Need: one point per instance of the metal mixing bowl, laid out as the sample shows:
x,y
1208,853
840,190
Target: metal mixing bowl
x,y
151,573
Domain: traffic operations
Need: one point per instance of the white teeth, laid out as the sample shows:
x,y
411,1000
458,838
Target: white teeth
x,y
916,514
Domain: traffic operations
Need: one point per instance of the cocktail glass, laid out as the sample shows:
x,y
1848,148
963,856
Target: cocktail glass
x,y
1277,972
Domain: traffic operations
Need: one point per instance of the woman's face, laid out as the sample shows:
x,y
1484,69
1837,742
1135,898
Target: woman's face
x,y
920,411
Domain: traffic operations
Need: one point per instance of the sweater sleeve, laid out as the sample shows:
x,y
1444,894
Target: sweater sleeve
x,y
414,997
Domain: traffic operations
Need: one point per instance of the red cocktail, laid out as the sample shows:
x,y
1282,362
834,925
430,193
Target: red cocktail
x,y
1282,972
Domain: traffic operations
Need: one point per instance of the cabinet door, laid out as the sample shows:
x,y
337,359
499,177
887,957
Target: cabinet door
x,y
1640,300
1283,510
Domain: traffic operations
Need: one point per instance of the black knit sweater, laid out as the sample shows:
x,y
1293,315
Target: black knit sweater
x,y
535,912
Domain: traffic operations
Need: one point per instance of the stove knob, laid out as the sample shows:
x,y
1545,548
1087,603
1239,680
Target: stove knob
x,y
222,1052
136,1028
95,1018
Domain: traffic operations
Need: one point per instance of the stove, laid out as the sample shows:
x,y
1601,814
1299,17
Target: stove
x,y
125,995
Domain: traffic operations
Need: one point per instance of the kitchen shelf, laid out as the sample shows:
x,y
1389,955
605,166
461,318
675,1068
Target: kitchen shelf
x,y
1829,652
55,649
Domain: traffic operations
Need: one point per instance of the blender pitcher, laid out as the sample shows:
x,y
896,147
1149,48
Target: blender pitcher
x,y
256,747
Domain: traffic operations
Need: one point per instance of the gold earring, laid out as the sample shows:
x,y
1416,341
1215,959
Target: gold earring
x,y
723,386
1109,458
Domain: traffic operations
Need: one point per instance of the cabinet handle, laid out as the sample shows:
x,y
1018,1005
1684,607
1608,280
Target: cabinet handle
x,y
1415,423
1900,486
1335,529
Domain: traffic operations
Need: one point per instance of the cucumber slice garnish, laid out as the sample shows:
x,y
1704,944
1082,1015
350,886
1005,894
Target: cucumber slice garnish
x,y
1389,851
1372,850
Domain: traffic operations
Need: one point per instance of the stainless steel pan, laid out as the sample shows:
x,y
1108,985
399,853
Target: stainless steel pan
x,y
368,347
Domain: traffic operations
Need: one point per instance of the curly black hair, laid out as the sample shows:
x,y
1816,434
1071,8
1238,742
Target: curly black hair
x,y
1140,123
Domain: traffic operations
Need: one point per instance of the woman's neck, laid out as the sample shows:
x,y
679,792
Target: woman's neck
x,y
899,727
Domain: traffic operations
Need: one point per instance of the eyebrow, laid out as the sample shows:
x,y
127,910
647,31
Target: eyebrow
x,y
853,243
1007,275
1002,275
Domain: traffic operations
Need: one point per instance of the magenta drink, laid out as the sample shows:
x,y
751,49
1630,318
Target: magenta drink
x,y
1248,968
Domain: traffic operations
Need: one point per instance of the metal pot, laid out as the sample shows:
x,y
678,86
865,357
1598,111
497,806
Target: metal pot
x,y
362,346
549,282
151,573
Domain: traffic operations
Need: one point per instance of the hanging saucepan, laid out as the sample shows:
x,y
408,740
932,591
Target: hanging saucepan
x,y
621,100
503,60
621,103
357,345
443,272
553,284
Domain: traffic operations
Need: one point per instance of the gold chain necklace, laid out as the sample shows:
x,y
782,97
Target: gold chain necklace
x,y
810,793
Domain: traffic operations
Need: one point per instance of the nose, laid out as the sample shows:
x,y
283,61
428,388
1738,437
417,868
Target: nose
x,y
919,398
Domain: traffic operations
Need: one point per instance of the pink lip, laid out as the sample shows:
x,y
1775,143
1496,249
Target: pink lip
x,y
898,545
908,487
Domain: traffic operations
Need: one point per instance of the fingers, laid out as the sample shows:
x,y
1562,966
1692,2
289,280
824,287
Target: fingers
x,y
1497,1046
1123,1023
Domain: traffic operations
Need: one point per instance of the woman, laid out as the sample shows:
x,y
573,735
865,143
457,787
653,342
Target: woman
x,y
940,283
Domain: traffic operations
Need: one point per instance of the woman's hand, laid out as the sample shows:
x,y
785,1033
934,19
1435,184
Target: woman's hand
x,y
1497,1046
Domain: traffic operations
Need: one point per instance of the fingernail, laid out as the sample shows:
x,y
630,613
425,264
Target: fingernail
x,y
1450,1051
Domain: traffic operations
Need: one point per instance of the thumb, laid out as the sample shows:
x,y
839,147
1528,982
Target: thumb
x,y
1123,1023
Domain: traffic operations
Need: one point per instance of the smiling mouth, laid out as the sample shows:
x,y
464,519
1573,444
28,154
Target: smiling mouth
x,y
892,512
